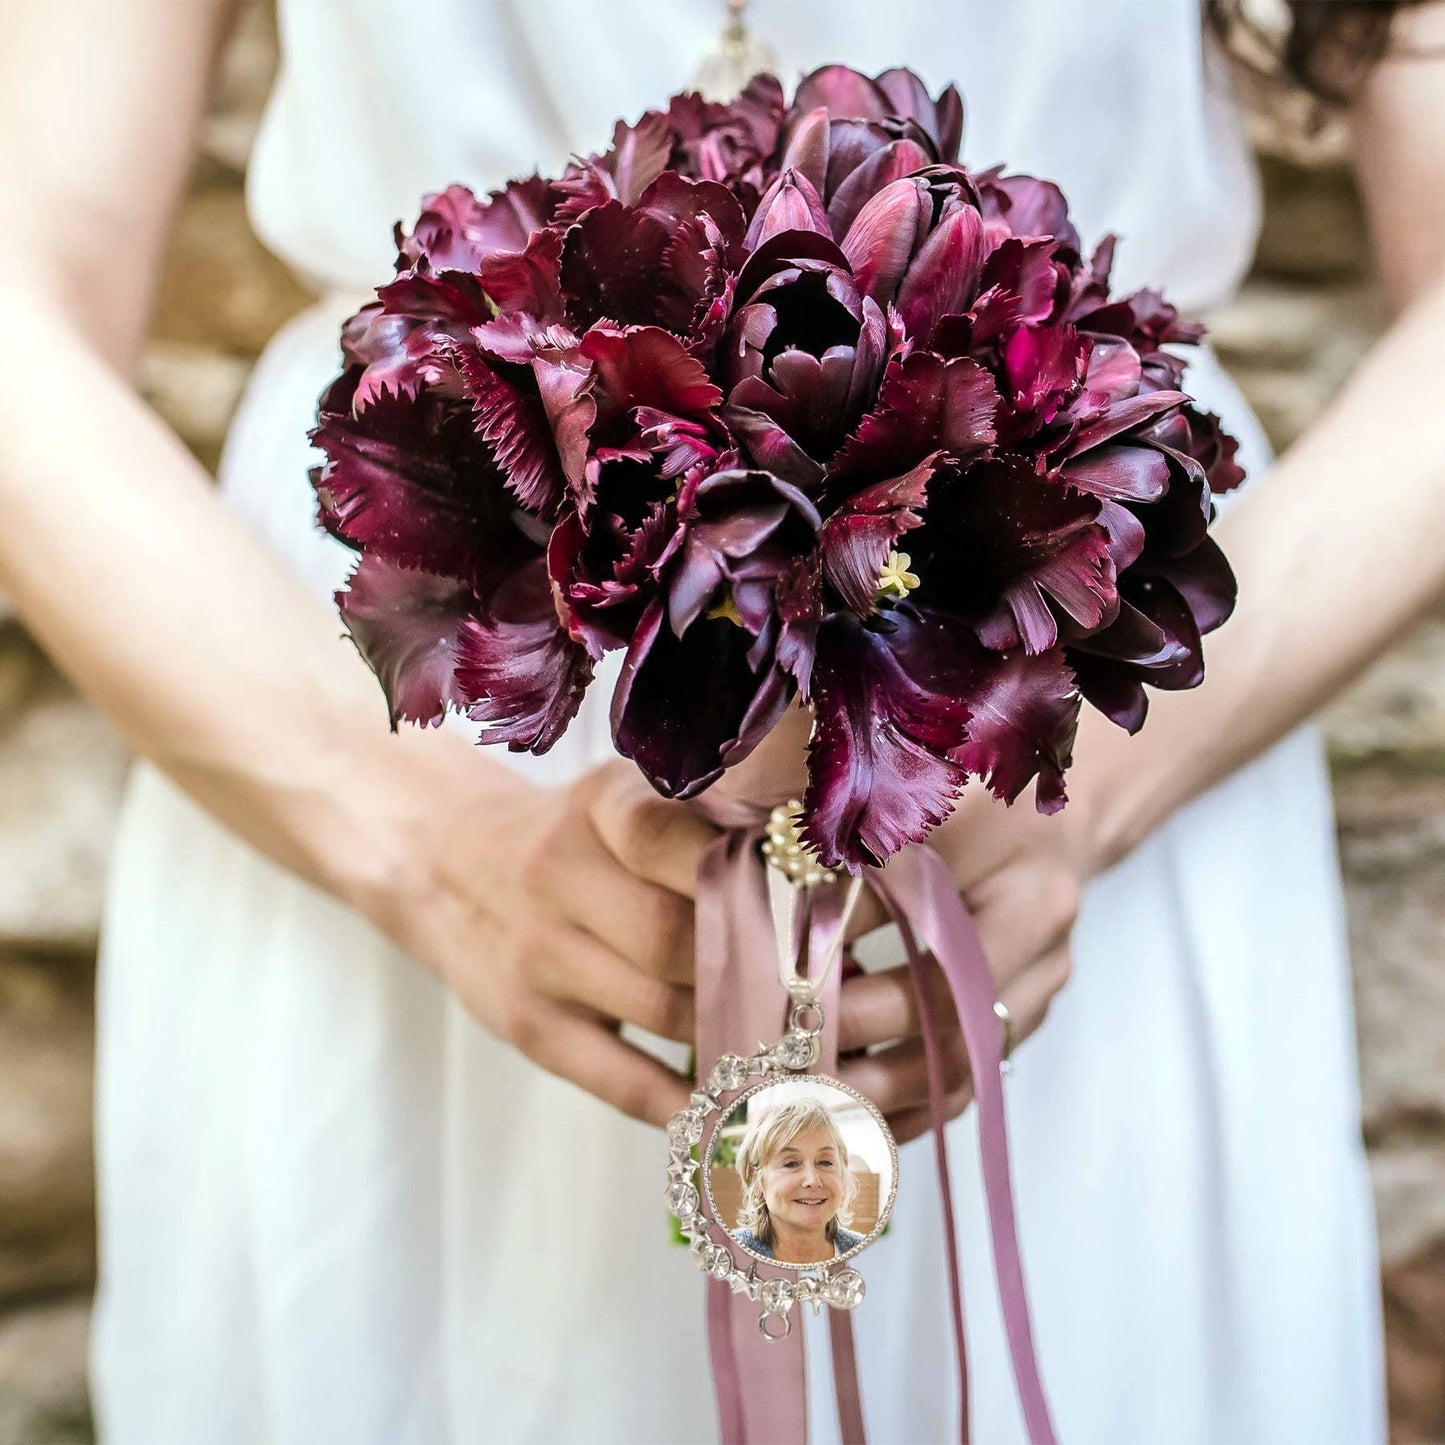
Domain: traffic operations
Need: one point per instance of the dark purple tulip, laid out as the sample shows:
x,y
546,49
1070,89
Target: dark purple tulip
x,y
906,707
801,355
704,679
457,232
886,235
926,405
449,570
1013,553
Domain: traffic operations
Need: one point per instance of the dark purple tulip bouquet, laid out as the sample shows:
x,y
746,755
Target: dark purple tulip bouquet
x,y
785,403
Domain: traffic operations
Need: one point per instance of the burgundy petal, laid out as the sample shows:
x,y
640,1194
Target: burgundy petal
x,y
790,204
685,708
943,279
855,188
405,624
639,155
1011,551
517,669
925,404
528,280
646,366
886,715
610,265
843,93
861,531
807,147
1111,687
905,708
410,482
457,232
513,419
885,235
1126,473
399,338
1030,206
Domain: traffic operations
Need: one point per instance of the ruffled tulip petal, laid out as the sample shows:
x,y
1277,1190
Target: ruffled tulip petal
x,y
411,483
405,624
610,264
645,366
517,669
905,709
861,531
926,404
513,419
457,232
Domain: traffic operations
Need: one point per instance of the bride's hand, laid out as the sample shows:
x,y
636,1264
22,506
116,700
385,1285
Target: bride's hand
x,y
1022,876
554,913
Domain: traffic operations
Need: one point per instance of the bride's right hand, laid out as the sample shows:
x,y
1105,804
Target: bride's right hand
x,y
554,913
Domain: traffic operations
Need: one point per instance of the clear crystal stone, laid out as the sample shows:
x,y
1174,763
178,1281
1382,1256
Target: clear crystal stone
x,y
717,1261
729,1073
682,1199
684,1129
845,1289
776,1295
806,1289
703,1102
794,1050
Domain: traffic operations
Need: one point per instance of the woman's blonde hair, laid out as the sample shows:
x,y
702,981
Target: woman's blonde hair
x,y
766,1135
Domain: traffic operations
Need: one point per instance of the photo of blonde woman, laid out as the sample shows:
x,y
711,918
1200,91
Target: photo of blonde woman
x,y
802,1173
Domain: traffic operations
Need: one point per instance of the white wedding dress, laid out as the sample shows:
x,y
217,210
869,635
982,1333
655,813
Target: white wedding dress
x,y
335,1212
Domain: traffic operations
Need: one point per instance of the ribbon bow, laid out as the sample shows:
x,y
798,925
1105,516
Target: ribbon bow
x,y
759,1384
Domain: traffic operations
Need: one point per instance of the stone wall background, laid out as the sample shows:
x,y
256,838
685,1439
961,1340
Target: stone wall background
x,y
1307,312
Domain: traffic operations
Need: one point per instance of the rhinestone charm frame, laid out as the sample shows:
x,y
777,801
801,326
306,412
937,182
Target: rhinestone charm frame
x,y
834,1282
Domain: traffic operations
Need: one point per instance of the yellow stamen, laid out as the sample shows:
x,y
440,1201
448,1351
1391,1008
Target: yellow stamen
x,y
727,608
895,581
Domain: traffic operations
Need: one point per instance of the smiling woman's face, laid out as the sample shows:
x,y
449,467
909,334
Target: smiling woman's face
x,y
802,1182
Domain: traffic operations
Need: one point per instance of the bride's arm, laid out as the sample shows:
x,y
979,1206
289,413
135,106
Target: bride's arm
x,y
1345,543
214,662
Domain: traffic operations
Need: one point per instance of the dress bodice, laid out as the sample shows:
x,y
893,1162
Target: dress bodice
x,y
1123,102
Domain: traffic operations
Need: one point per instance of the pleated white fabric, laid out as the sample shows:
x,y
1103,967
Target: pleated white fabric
x,y
334,1210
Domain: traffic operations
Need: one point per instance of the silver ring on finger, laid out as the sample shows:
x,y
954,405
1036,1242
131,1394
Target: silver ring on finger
x,y
1006,1020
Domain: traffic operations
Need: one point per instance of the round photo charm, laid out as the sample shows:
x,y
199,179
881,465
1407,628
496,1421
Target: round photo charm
x,y
793,1160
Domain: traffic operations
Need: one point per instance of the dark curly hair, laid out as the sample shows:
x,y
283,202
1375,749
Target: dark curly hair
x,y
1325,51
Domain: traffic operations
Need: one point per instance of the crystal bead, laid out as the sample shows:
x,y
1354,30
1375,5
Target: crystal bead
x,y
794,1050
682,1199
684,1129
845,1289
717,1261
776,1295
729,1073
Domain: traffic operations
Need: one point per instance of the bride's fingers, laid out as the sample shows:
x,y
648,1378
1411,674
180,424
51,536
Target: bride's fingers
x,y
1024,913
896,1078
1028,998
581,1048
910,1124
876,1008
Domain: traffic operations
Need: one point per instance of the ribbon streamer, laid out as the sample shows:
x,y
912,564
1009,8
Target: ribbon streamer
x,y
759,1385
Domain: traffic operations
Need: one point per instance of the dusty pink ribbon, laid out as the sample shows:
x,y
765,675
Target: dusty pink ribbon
x,y
759,1386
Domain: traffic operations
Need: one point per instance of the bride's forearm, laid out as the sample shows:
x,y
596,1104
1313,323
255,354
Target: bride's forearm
x,y
206,654
1336,553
